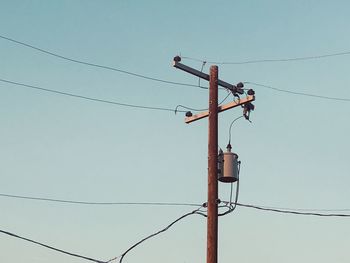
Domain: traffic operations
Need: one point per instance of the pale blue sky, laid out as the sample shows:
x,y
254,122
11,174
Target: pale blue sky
x,y
294,154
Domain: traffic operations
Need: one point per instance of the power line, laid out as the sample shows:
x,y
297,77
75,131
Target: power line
x,y
227,212
229,130
88,98
99,66
52,248
197,211
308,209
297,93
297,211
291,212
256,61
231,205
185,57
98,203
189,108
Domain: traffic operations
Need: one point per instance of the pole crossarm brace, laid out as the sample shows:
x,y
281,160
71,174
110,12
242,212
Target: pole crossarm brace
x,y
202,75
221,108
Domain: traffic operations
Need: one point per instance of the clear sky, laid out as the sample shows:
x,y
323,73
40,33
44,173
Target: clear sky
x,y
294,153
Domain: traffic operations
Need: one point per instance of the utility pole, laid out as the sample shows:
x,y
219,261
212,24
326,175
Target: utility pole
x,y
212,114
212,223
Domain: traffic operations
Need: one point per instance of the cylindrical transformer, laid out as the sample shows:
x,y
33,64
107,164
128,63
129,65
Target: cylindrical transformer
x,y
228,166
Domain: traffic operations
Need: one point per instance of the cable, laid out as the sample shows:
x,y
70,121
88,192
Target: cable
x,y
307,209
298,93
231,207
229,204
97,203
99,66
112,259
260,207
292,212
50,247
229,131
189,108
160,231
226,97
186,84
199,79
87,98
256,61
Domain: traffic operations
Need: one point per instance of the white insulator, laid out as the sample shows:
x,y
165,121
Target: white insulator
x,y
228,166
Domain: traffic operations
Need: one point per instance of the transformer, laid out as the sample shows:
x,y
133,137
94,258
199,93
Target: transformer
x,y
228,170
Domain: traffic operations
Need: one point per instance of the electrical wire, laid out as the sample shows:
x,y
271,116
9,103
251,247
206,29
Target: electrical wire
x,y
112,259
260,207
196,211
199,79
187,84
52,248
225,98
297,93
307,209
231,191
256,61
292,212
98,65
229,204
87,98
160,231
96,203
229,131
189,108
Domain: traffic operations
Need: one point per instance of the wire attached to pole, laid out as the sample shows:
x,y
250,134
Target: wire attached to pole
x,y
229,132
199,79
52,248
197,211
229,204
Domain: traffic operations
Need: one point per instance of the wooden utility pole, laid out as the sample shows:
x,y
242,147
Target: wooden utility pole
x,y
212,223
212,114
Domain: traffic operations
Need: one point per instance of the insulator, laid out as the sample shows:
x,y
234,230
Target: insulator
x,y
188,114
251,92
177,58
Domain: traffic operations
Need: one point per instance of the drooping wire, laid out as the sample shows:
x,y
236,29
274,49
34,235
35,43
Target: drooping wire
x,y
229,131
189,108
255,61
231,191
199,79
86,98
306,209
292,212
51,247
297,93
225,98
96,203
230,205
261,207
112,259
98,65
160,231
